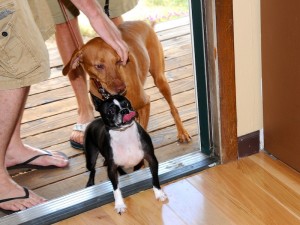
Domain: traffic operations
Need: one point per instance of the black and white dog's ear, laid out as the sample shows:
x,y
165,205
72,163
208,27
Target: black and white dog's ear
x,y
97,102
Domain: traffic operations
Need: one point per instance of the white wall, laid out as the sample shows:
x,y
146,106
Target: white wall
x,y
247,44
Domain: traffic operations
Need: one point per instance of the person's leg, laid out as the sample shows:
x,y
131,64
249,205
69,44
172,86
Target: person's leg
x,y
11,106
18,153
66,46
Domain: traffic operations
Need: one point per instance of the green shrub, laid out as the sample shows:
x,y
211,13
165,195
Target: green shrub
x,y
169,3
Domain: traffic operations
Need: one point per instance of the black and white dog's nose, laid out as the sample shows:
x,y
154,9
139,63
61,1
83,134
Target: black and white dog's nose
x,y
124,111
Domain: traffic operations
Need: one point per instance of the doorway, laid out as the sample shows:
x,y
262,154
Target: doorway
x,y
86,199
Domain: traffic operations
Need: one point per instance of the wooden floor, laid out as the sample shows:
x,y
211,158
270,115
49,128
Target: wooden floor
x,y
254,190
51,112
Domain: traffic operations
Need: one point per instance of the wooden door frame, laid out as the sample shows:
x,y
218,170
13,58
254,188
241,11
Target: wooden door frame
x,y
219,39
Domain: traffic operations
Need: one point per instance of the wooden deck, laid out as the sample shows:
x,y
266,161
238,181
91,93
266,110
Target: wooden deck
x,y
51,113
251,191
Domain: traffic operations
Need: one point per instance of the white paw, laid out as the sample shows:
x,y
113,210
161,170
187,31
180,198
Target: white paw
x,y
120,208
159,194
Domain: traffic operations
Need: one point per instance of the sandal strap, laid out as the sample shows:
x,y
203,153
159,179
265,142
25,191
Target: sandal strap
x,y
35,157
80,127
22,197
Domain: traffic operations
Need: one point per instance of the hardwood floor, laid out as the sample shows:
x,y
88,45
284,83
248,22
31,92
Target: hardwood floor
x,y
254,190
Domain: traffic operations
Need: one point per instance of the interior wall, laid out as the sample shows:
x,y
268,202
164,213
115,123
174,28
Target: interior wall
x,y
247,44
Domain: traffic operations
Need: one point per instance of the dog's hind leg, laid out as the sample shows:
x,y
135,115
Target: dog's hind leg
x,y
139,166
90,165
91,155
157,69
121,171
91,180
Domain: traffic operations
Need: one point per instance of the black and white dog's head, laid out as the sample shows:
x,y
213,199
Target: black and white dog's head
x,y
116,111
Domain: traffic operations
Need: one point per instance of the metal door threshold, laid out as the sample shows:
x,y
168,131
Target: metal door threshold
x,y
89,198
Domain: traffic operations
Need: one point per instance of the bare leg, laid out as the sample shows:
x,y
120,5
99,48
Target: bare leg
x,y
14,101
66,46
17,152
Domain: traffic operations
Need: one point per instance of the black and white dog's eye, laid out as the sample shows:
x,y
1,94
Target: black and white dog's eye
x,y
99,66
111,111
125,105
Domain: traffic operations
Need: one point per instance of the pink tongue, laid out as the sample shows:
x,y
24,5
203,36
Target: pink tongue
x,y
128,117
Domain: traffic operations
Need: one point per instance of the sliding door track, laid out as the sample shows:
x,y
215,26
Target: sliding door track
x,y
89,198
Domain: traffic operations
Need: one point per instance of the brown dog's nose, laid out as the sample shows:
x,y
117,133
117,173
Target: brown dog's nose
x,y
120,87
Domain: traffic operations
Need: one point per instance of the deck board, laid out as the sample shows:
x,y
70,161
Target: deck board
x,y
51,113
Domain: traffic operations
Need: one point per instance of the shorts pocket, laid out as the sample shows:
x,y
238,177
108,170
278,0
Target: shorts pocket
x,y
17,58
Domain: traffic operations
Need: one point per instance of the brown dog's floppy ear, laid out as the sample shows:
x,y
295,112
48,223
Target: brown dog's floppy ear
x,y
75,61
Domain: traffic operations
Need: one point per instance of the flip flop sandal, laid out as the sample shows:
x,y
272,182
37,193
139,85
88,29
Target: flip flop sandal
x,y
76,145
26,165
15,198
81,128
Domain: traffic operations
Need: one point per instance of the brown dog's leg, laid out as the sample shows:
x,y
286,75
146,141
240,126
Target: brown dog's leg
x,y
164,88
143,119
143,115
157,69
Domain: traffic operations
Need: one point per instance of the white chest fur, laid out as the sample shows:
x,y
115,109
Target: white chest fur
x,y
126,145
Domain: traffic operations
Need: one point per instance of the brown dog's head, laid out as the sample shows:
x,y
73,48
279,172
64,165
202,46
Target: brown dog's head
x,y
101,62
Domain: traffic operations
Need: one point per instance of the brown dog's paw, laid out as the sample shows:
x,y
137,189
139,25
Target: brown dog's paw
x,y
184,137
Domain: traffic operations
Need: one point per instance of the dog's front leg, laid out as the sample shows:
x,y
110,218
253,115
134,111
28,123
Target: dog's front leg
x,y
144,114
153,164
120,206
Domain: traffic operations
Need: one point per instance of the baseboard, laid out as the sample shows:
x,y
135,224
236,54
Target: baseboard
x,y
248,144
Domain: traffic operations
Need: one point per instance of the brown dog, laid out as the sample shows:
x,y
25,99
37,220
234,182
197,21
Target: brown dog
x,y
103,64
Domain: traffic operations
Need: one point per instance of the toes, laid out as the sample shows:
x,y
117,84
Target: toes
x,y
22,204
77,136
16,207
162,197
56,159
120,208
184,137
159,194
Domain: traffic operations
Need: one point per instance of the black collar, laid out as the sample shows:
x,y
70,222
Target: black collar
x,y
105,94
122,128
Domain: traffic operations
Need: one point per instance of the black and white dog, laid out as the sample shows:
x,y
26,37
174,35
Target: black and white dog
x,y
122,142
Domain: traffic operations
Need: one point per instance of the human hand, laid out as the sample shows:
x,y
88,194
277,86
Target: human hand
x,y
103,26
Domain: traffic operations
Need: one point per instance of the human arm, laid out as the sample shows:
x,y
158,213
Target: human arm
x,y
103,26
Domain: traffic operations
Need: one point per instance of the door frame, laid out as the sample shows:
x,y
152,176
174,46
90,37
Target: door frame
x,y
220,61
215,76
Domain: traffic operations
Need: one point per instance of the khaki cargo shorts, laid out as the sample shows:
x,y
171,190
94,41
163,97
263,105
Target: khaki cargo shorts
x,y
24,57
116,8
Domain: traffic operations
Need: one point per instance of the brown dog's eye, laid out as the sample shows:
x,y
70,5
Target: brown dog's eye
x,y
99,66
